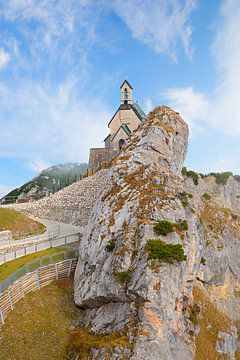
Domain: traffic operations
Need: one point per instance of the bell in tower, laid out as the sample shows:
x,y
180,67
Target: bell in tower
x,y
126,93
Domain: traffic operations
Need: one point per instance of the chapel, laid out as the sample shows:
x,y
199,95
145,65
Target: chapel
x,y
126,119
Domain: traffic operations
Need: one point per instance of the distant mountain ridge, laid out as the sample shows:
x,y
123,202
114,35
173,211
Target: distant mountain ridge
x,y
48,181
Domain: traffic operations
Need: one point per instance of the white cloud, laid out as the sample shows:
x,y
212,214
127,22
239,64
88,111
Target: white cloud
x,y
160,24
4,58
221,109
51,123
4,189
225,105
192,105
38,164
148,105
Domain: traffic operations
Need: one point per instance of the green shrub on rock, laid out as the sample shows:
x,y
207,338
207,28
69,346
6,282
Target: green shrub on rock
x,y
123,276
190,173
206,196
163,227
110,246
181,225
166,253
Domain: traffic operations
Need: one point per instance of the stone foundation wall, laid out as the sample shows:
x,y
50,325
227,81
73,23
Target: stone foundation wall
x,y
99,156
5,235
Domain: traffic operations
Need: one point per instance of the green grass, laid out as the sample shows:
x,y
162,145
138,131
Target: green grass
x,y
20,224
41,326
10,267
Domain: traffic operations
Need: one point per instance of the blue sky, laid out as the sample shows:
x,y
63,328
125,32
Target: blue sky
x,y
62,62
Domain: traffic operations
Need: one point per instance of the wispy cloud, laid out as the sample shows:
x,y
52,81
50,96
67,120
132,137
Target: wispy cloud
x,y
51,123
192,105
4,189
48,109
225,105
221,109
4,58
37,165
160,24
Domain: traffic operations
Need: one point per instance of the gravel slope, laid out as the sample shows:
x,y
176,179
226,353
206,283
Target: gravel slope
x,y
72,204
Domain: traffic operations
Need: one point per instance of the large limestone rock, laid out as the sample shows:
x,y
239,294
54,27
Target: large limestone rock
x,y
155,302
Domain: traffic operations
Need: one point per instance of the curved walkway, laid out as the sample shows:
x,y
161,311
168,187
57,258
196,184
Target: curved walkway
x,y
54,229
66,234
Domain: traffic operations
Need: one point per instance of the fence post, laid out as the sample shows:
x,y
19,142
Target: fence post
x,y
10,299
56,271
25,251
21,287
35,248
65,240
37,278
70,267
1,316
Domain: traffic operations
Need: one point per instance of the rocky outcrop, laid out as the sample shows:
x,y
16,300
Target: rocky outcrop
x,y
121,289
71,205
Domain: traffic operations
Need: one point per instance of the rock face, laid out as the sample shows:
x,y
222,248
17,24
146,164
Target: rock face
x,y
121,290
71,205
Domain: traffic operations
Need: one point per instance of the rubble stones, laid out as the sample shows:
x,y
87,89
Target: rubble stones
x,y
71,205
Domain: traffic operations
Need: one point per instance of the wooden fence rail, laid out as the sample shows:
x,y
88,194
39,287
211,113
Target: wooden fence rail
x,y
34,281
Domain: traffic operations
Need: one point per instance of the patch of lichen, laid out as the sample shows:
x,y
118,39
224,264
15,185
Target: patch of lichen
x,y
115,189
132,144
167,128
216,219
136,179
210,321
151,196
82,341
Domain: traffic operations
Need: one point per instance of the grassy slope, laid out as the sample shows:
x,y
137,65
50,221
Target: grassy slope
x,y
19,223
39,326
211,321
9,267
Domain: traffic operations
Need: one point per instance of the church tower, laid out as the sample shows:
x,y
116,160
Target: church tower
x,y
126,119
126,93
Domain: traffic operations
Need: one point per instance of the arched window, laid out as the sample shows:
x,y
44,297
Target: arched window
x,y
121,143
126,94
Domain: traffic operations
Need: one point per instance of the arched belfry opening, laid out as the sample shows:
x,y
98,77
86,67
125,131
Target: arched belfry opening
x,y
121,143
126,93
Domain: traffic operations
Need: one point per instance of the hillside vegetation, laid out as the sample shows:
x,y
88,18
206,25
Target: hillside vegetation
x,y
20,224
49,181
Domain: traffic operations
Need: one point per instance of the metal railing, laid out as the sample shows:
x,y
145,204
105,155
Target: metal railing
x,y
38,263
64,240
